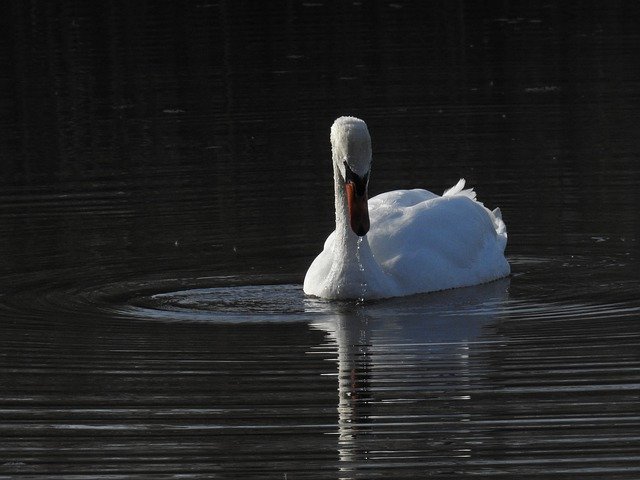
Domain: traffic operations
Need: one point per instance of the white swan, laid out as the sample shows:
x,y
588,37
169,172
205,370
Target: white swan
x,y
401,242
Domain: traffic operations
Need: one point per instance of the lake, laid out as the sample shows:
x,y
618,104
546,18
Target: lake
x,y
166,181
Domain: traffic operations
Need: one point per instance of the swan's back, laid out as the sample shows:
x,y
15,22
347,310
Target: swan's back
x,y
427,242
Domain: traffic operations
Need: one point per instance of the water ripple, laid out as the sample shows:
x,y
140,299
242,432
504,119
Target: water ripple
x,y
503,379
261,298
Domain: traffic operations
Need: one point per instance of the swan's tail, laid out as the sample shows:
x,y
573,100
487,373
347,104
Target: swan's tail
x,y
458,189
498,223
495,215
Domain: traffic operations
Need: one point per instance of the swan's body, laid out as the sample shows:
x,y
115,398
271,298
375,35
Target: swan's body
x,y
417,242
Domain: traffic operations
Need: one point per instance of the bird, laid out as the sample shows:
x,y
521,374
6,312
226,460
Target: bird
x,y
401,242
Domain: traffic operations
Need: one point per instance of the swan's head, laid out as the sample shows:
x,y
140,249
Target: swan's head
x,y
351,151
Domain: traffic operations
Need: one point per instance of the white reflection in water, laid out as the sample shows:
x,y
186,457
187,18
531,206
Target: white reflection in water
x,y
380,346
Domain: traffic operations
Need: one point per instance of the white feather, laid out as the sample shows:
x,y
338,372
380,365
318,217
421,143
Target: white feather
x,y
458,189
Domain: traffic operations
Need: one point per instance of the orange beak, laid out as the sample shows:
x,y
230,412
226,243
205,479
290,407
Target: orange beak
x,y
358,209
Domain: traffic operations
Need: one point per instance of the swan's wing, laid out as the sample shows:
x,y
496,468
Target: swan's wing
x,y
449,229
439,242
400,198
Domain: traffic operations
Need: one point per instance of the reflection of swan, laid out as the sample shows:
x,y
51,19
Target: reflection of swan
x,y
405,374
419,241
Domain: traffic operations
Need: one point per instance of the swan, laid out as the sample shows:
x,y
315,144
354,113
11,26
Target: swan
x,y
401,242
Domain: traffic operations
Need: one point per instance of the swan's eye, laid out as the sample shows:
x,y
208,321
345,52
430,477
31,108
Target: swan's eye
x,y
360,183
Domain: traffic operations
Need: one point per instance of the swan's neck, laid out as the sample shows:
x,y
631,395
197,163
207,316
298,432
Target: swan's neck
x,y
354,272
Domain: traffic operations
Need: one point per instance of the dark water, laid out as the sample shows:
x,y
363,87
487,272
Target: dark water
x,y
165,182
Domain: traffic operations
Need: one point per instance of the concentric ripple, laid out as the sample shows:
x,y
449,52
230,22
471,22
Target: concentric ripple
x,y
263,298
598,287
241,303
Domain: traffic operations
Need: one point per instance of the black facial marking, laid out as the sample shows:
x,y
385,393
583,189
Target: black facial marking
x,y
359,182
